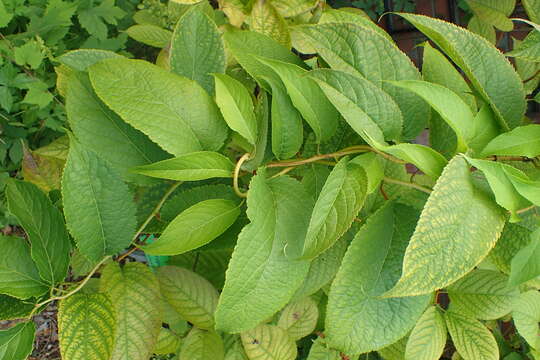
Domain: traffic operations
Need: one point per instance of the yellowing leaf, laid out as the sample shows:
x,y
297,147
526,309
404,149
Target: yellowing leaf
x,y
266,20
269,342
299,318
428,338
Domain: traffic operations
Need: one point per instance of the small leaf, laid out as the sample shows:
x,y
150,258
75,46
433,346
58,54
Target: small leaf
x,y
44,225
526,316
193,166
521,141
425,158
526,263
428,338
192,296
374,169
236,105
471,338
299,318
86,327
45,172
195,227
269,342
458,227
16,343
197,50
320,351
151,35
167,342
202,345
265,19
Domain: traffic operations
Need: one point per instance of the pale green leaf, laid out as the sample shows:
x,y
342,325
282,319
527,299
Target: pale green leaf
x,y
505,95
167,342
340,15
212,264
423,157
151,35
17,342
320,351
521,141
184,117
192,296
236,105
528,49
299,318
514,238
486,129
526,316
195,227
261,279
134,291
483,294
202,345
234,349
358,320
44,225
82,59
86,327
526,263
265,19
458,227
339,202
98,206
428,338
290,8
374,169
491,12
396,351
533,9
485,30
471,338
197,50
268,342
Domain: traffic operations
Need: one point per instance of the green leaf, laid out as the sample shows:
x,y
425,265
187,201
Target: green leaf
x,y
374,169
151,35
192,296
86,327
261,279
360,51
269,342
514,238
13,308
202,345
44,225
396,351
471,338
358,320
337,16
30,53
16,343
260,150
320,351
458,227
102,131
428,338
82,59
287,129
134,291
5,16
490,11
98,206
186,119
95,18
234,349
483,294
532,7
299,318
341,198
265,19
290,8
526,316
526,263
486,129
509,105
193,166
425,158
448,105
521,141
197,49
528,49
167,342
236,105
485,30
195,227
307,97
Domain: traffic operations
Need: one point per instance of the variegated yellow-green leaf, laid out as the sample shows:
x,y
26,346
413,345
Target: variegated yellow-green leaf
x,y
151,35
16,343
43,171
471,338
483,294
86,327
266,20
458,227
526,316
339,202
428,338
134,292
268,342
167,342
202,345
191,295
299,318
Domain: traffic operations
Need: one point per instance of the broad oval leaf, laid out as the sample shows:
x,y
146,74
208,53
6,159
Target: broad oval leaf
x,y
261,279
526,316
521,141
184,117
202,345
19,275
197,50
269,342
458,227
82,59
44,225
471,338
299,318
134,292
428,338
200,165
236,105
150,34
506,95
265,19
191,295
98,206
339,202
86,327
17,342
357,319
195,227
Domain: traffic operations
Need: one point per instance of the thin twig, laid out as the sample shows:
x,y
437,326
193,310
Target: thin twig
x,y
508,158
298,162
241,161
524,210
409,184
282,172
